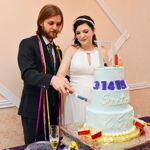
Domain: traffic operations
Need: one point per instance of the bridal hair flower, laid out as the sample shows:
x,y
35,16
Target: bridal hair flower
x,y
84,19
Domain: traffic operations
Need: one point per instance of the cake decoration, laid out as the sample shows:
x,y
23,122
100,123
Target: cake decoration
x,y
110,98
96,134
139,123
83,131
89,132
111,85
118,60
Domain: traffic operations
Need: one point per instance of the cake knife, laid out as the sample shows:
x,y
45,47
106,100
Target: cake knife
x,y
81,97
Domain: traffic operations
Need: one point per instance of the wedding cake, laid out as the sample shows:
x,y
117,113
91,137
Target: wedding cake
x,y
109,110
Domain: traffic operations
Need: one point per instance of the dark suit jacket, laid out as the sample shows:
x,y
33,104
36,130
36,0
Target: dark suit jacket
x,y
29,61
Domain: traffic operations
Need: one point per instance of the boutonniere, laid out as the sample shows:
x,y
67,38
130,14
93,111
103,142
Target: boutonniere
x,y
59,52
58,48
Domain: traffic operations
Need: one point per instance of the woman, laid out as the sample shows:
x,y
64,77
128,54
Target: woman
x,y
79,61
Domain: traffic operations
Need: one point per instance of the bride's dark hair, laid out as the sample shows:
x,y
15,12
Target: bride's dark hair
x,y
81,20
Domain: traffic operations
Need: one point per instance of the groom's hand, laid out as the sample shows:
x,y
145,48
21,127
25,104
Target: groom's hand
x,y
61,84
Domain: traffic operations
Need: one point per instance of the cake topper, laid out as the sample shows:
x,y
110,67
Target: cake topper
x,y
117,60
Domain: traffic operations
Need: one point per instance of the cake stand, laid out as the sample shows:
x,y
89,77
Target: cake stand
x,y
69,132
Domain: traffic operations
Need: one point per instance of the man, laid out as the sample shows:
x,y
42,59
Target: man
x,y
39,59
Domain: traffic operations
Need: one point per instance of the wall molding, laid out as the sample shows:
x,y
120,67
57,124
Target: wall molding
x,y
10,99
6,103
139,86
124,33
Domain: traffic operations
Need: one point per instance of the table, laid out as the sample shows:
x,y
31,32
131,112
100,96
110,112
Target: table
x,y
22,147
139,143
70,133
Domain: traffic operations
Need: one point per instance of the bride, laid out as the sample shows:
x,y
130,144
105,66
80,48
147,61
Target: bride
x,y
79,62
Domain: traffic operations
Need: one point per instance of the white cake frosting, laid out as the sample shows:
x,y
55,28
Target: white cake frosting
x,y
108,109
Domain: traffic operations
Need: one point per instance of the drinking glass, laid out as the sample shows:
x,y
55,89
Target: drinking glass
x,y
54,136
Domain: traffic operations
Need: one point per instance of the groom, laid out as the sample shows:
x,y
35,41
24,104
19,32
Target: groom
x,y
39,59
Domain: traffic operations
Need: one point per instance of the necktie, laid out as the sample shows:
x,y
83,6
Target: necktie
x,y
50,47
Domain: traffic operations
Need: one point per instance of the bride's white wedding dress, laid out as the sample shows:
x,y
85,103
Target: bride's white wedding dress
x,y
81,78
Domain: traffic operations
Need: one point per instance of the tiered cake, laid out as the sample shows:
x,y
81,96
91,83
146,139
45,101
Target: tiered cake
x,y
108,109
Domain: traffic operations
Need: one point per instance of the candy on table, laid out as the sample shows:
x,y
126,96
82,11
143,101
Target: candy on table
x,y
96,134
83,131
139,123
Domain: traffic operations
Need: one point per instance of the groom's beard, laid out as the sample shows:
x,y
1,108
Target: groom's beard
x,y
49,35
